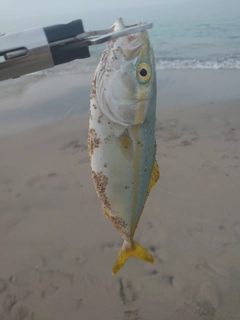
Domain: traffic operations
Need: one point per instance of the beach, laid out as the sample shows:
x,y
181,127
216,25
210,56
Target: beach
x,y
56,246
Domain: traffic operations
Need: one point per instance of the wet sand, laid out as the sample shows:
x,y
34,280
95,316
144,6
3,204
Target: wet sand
x,y
36,100
57,248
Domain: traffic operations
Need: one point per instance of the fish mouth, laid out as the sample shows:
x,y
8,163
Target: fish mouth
x,y
130,45
135,43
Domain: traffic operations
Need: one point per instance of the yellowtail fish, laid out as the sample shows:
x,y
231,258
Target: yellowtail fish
x,y
121,139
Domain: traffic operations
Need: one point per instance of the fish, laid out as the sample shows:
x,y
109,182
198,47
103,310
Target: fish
x,y
121,136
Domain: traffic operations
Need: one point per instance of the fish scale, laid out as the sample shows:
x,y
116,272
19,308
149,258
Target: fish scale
x,y
121,139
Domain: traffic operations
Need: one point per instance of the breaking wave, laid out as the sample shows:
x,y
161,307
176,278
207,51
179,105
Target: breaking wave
x,y
227,62
89,65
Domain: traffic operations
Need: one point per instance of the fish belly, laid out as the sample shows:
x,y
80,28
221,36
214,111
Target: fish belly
x,y
122,160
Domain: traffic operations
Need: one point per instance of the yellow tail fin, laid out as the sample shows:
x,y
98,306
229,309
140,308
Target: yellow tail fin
x,y
124,254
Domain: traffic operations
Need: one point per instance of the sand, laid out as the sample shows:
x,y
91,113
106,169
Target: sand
x,y
57,248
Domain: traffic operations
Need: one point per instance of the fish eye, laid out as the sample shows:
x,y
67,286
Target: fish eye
x,y
143,72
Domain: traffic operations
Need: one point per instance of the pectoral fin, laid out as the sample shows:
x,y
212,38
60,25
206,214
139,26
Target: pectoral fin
x,y
124,142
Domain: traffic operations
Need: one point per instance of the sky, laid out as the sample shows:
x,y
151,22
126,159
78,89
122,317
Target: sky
x,y
17,14
48,6
21,14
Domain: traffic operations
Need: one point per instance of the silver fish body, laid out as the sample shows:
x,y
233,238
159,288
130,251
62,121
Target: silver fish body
x,y
122,135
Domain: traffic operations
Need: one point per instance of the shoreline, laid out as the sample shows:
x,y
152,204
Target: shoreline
x,y
36,100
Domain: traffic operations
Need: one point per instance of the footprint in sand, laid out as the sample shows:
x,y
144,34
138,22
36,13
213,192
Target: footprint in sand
x,y
70,144
78,148
6,181
55,276
49,291
25,294
79,303
153,250
33,181
9,301
80,260
154,272
171,130
127,292
21,312
21,278
236,228
189,137
209,165
131,315
208,269
75,145
168,130
231,133
11,223
209,292
167,279
149,224
207,301
49,180
185,143
3,285
201,308
52,175
232,161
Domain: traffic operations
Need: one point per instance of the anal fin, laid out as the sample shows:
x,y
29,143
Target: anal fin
x,y
155,175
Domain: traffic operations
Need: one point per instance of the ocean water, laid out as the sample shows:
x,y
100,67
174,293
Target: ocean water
x,y
189,35
196,34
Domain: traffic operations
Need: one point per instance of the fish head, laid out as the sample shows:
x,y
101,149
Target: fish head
x,y
126,78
